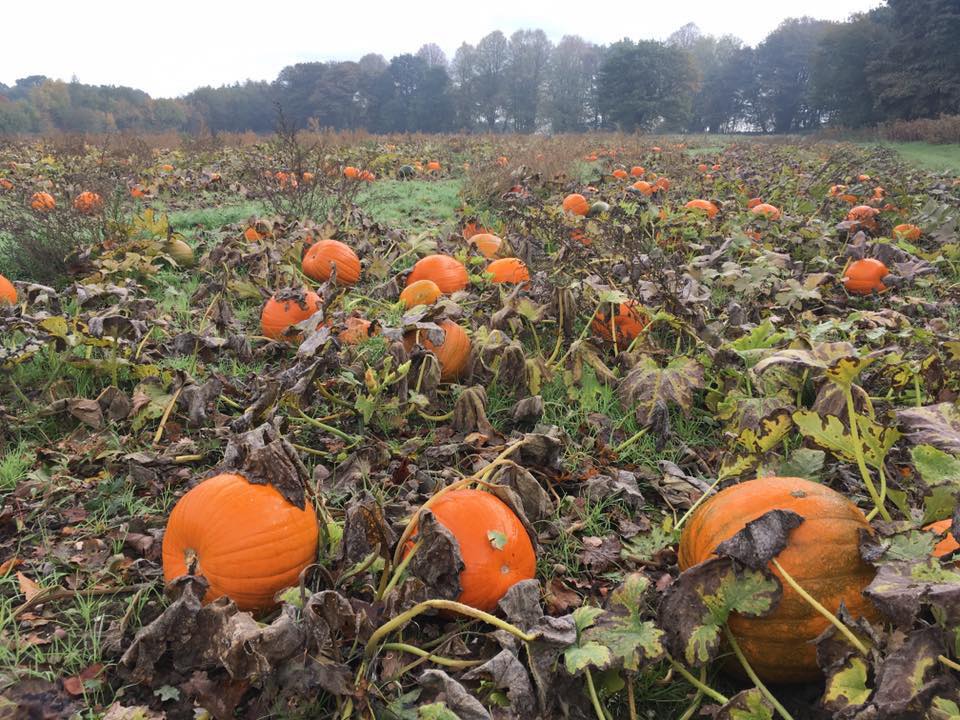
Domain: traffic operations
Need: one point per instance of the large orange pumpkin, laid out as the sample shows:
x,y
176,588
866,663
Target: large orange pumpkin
x,y
452,353
704,206
8,293
620,174
351,172
508,270
948,544
637,171
494,545
644,187
865,276
248,541
629,321
422,292
822,555
486,244
42,201
324,254
280,314
87,202
447,272
771,212
576,204
433,166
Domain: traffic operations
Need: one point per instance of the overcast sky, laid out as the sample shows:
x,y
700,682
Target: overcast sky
x,y
169,48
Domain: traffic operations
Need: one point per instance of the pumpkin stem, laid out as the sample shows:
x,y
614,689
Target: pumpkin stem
x,y
858,451
428,656
815,604
700,500
753,675
700,685
192,561
948,662
697,698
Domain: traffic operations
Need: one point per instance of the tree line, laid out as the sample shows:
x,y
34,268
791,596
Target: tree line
x,y
899,61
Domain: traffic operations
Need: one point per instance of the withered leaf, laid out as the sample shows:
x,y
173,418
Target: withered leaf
x,y
762,539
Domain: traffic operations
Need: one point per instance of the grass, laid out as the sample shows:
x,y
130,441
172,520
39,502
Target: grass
x,y
211,218
928,155
14,465
413,205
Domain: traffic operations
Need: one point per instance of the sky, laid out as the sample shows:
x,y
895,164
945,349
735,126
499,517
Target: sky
x,y
171,47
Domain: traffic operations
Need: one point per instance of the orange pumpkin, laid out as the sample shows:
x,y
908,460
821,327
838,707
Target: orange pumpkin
x,y
644,187
357,330
576,204
494,545
308,177
637,171
770,212
279,314
447,272
422,292
351,172
323,255
137,192
502,161
251,234
367,176
863,178
5,184
753,202
471,229
629,322
865,276
8,293
486,244
620,174
42,201
87,202
662,183
167,167
508,270
247,540
822,555
864,215
702,167
433,166
836,190
704,206
655,149
906,231
452,353
948,544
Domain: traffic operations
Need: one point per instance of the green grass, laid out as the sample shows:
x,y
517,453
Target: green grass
x,y
413,205
211,218
14,465
927,155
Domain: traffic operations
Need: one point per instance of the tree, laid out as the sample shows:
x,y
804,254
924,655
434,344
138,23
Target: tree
x,y
489,82
432,55
570,95
645,86
528,55
411,96
464,75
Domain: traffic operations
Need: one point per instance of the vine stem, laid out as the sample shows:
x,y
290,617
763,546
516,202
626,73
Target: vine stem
x,y
697,698
815,604
631,440
326,428
948,662
448,605
166,415
559,343
753,675
858,452
631,700
697,504
594,699
698,684
427,655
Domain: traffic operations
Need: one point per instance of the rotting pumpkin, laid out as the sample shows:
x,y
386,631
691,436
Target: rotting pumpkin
x,y
629,322
286,309
779,646
247,540
495,548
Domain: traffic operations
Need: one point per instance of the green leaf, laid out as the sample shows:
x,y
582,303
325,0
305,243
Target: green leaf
x,y
747,705
829,433
848,686
577,658
944,709
935,466
436,711
166,692
644,546
585,616
621,629
497,539
804,462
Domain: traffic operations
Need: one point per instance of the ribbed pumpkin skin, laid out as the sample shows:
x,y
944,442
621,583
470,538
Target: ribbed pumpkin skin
x,y
42,201
487,244
865,276
576,204
771,212
249,541
508,270
488,572
448,273
947,544
422,292
87,202
822,556
452,354
278,315
320,256
8,293
703,205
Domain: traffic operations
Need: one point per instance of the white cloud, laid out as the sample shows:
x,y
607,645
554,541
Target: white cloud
x,y
169,48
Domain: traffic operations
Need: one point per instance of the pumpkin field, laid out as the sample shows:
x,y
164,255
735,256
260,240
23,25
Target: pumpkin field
x,y
482,427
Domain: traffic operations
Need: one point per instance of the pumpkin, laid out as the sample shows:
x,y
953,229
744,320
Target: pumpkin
x,y
357,330
282,311
753,202
308,177
502,161
863,178
367,176
42,201
167,168
704,206
433,166
771,212
495,547
906,231
452,353
8,293
637,171
642,186
486,244
251,234
422,292
576,204
836,190
508,270
179,251
865,276
702,167
863,215
949,543
351,172
5,184
448,273
655,149
620,174
137,192
822,555
247,540
662,183
323,255
629,321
